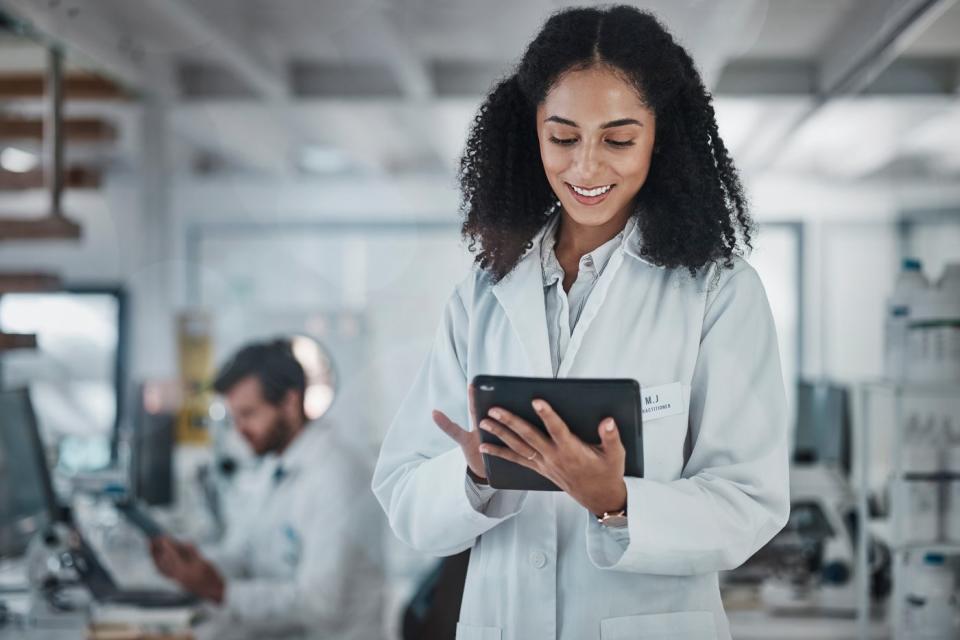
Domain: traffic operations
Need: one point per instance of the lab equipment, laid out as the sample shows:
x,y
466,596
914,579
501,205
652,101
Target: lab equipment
x,y
823,423
80,556
582,403
809,565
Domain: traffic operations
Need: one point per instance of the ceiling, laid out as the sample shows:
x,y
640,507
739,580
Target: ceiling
x,y
841,89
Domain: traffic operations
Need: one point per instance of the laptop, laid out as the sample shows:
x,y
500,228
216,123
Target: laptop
x,y
95,576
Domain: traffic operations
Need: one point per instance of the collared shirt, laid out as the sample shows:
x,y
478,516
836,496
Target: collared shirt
x,y
563,308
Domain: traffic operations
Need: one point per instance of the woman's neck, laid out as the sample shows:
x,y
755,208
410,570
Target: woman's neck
x,y
575,240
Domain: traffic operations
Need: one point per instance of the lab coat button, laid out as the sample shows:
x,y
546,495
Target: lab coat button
x,y
538,559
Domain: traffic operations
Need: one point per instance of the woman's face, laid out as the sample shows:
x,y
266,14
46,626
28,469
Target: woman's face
x,y
596,138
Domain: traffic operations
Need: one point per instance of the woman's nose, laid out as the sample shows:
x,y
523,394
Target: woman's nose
x,y
588,161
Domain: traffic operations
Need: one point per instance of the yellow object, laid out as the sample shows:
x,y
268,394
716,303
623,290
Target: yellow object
x,y
195,345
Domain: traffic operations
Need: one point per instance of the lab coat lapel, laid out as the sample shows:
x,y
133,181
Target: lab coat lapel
x,y
521,296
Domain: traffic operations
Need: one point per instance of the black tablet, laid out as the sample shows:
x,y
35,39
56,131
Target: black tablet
x,y
582,403
138,516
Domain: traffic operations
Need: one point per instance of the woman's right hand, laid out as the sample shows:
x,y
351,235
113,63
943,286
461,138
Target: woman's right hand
x,y
469,441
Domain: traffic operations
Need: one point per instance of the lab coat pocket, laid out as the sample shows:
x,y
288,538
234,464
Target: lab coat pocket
x,y
681,625
467,632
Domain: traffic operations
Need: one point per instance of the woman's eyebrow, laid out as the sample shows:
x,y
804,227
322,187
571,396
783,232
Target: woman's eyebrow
x,y
613,123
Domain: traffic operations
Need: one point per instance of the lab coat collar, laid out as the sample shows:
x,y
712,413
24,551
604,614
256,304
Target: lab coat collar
x,y
520,293
305,449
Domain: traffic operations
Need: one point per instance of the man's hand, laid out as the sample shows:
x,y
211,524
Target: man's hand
x,y
591,474
182,563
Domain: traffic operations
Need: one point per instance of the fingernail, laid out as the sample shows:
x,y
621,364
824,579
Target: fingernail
x,y
496,414
485,425
610,426
484,449
539,405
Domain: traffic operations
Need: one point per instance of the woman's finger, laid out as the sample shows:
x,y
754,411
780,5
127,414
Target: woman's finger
x,y
556,427
472,405
509,454
526,431
610,438
449,427
509,438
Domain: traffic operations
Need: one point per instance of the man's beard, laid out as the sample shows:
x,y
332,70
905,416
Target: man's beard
x,y
280,435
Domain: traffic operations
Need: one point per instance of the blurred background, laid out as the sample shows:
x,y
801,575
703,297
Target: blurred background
x,y
179,177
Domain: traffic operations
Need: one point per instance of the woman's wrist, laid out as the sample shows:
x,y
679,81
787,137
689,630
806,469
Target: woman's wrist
x,y
611,502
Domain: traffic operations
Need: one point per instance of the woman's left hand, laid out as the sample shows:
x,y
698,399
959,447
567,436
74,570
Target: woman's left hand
x,y
591,474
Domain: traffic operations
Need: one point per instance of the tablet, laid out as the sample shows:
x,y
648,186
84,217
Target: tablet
x,y
582,403
138,517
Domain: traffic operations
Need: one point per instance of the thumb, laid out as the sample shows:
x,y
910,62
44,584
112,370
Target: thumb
x,y
610,436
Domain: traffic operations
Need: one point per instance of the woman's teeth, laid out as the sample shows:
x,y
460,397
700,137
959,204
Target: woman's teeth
x,y
592,192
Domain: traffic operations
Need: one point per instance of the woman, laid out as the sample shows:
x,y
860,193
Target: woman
x,y
608,220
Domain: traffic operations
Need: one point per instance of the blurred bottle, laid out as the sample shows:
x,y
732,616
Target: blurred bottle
x,y
910,283
930,607
921,446
949,330
933,331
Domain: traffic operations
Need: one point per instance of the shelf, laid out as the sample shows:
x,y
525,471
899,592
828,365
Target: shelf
x,y
935,388
28,282
78,177
946,548
929,476
45,228
11,341
74,129
76,86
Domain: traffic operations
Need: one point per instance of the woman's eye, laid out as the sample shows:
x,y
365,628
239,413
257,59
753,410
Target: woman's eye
x,y
562,141
621,143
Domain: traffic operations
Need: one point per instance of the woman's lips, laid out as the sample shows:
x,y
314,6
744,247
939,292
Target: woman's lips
x,y
588,200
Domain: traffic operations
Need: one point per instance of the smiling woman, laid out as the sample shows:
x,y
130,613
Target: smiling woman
x,y
607,219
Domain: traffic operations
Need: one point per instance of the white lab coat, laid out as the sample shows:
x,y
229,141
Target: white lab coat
x,y
716,474
305,558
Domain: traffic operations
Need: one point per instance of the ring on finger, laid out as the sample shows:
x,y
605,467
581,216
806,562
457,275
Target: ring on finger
x,y
532,456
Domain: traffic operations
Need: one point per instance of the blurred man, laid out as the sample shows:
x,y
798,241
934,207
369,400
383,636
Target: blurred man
x,y
303,561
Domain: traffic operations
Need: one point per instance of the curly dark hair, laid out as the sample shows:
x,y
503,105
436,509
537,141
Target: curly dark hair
x,y
691,210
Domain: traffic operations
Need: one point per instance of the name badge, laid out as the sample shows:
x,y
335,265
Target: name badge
x,y
661,401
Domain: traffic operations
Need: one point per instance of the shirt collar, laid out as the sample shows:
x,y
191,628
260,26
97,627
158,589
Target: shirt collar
x,y
552,271
632,240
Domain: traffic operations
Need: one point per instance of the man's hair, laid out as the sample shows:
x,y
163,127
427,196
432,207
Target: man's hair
x,y
272,363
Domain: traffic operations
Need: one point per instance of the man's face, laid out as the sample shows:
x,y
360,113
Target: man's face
x,y
262,425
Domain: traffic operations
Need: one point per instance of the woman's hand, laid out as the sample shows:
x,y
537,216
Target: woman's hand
x,y
591,474
469,441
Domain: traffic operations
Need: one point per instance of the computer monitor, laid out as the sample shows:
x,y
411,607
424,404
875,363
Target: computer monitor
x,y
78,370
27,501
823,424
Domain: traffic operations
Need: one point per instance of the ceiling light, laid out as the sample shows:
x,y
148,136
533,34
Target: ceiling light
x,y
323,159
17,160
